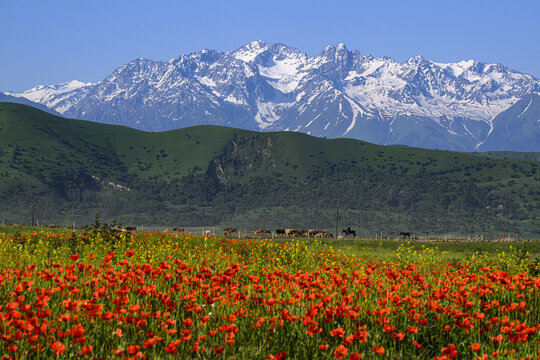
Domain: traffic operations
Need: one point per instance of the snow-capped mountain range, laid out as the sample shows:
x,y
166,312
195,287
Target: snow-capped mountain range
x,y
336,93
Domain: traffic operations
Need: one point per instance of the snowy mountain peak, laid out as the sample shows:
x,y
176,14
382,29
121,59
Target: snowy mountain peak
x,y
49,95
335,93
466,64
417,59
250,51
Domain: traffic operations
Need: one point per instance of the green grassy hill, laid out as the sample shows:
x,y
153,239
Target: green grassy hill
x,y
209,175
511,155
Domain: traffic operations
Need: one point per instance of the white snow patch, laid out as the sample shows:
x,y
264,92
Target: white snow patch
x,y
248,72
356,110
527,108
250,51
285,74
267,113
52,95
232,99
205,80
467,130
315,118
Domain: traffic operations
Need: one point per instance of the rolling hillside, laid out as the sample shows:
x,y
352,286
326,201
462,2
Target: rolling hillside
x,y
210,175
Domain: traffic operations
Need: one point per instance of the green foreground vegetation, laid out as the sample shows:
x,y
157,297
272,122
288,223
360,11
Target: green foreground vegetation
x,y
365,248
104,293
69,170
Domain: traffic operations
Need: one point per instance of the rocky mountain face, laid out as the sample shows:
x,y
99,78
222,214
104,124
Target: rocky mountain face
x,y
336,93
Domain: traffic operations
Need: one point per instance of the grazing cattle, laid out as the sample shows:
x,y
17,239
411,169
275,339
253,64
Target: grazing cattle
x,y
290,232
262,231
131,228
324,234
179,229
280,232
207,232
405,234
229,231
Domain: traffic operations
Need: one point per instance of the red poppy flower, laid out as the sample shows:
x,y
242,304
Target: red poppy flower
x,y
282,355
340,352
74,257
187,322
133,349
450,351
379,350
218,350
337,332
85,350
171,348
497,339
57,347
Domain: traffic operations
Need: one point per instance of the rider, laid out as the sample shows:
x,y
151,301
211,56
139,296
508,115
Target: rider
x,y
348,229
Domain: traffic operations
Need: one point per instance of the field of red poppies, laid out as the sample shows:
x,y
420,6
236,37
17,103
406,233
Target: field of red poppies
x,y
160,295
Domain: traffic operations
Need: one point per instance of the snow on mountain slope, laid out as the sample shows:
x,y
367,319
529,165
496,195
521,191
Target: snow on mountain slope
x,y
335,93
52,95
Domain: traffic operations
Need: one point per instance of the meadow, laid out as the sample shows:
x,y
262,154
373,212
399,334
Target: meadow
x,y
108,294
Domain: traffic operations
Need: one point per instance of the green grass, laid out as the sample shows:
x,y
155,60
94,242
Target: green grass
x,y
453,250
511,155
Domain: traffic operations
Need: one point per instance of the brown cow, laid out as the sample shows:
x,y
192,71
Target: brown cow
x,y
229,231
179,229
262,231
131,228
301,233
324,233
290,232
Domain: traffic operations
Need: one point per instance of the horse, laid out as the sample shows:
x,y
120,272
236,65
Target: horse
x,y
349,233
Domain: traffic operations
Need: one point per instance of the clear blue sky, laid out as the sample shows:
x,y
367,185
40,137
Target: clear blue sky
x,y
48,42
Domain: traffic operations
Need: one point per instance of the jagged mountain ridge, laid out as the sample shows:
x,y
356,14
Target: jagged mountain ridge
x,y
336,93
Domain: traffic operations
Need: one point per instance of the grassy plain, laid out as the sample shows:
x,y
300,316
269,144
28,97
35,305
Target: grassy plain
x,y
449,250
